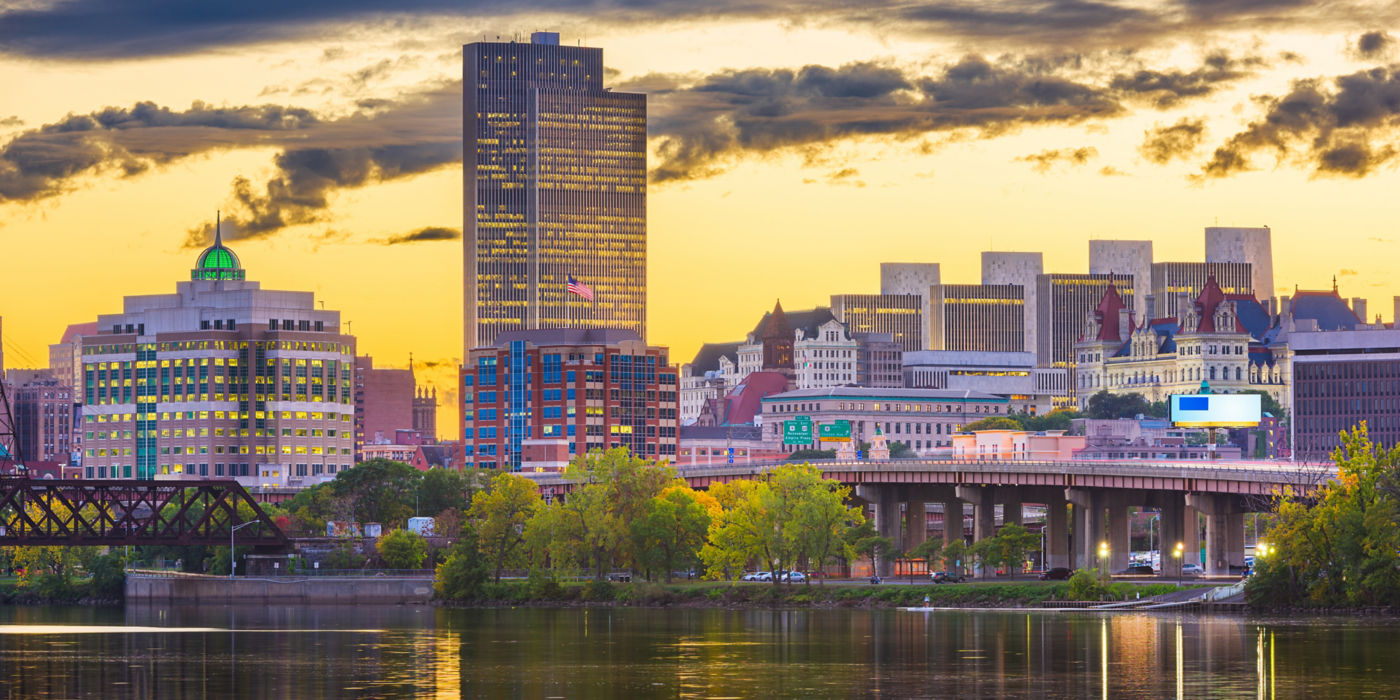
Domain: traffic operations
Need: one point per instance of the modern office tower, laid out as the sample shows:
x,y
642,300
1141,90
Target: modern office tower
x,y
985,317
899,315
383,403
908,278
1358,307
1174,281
555,187
545,396
1063,303
1245,245
220,379
1019,269
1340,378
1125,259
879,360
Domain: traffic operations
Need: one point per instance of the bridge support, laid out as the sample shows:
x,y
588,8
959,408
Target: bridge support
x,y
1173,525
1192,534
1088,526
1056,532
952,523
983,516
1119,539
915,522
1011,510
1224,532
1235,540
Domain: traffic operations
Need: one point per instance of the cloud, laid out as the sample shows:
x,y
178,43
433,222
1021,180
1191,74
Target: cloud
x,y
1167,88
1376,44
11,120
430,233
1110,171
1043,161
1347,272
844,176
1342,126
1162,144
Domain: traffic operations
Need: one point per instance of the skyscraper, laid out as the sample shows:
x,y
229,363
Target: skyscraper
x,y
554,187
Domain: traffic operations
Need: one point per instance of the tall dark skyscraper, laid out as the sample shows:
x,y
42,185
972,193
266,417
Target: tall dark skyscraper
x,y
555,186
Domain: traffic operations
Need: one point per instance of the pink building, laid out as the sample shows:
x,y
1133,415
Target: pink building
x,y
1016,444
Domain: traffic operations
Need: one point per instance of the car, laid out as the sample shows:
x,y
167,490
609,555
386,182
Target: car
x,y
758,576
620,576
945,577
794,577
1192,570
1058,573
1139,570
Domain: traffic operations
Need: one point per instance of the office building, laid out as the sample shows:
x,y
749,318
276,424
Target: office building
x,y
1063,303
384,400
904,279
977,317
565,392
923,419
1173,282
1021,269
1011,375
220,379
1341,378
555,186
879,360
1124,260
1244,245
43,408
899,315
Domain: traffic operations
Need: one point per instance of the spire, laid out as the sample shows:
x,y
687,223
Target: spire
x,y
218,233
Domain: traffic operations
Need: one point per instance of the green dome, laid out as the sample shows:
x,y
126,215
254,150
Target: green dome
x,y
217,262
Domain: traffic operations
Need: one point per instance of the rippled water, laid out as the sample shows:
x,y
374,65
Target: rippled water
x,y
148,651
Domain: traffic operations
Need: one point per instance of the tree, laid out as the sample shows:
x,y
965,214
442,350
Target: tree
x,y
1104,405
810,454
900,450
823,519
1008,547
993,423
585,530
1058,419
672,531
866,541
500,513
379,491
402,549
440,489
465,571
954,555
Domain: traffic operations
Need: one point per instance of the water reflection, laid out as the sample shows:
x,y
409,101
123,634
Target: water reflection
x,y
425,652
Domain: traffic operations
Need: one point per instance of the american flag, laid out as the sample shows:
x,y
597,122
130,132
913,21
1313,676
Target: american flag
x,y
579,288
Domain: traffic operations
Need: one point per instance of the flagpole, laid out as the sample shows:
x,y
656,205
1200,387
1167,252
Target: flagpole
x,y
568,311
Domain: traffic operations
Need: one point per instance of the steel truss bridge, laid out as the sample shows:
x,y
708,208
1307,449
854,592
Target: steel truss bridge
x,y
109,512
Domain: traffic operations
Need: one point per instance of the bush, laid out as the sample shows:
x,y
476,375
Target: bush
x,y
108,576
1084,585
599,590
402,549
542,585
462,576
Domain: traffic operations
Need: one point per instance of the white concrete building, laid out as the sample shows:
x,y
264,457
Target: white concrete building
x,y
1251,245
1122,259
1021,269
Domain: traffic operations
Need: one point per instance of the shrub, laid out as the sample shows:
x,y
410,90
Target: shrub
x,y
108,576
402,549
1084,585
462,576
599,590
542,585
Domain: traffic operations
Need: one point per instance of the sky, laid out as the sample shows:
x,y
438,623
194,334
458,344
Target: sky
x,y
795,145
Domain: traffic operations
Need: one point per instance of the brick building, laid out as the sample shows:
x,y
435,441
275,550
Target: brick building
x,y
43,408
592,388
384,403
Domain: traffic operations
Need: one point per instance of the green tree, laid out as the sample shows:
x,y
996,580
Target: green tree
x,y
993,423
379,491
585,530
464,573
402,549
768,524
955,556
1104,405
823,521
1058,419
672,530
810,454
500,513
440,489
1008,548
899,450
628,484
866,541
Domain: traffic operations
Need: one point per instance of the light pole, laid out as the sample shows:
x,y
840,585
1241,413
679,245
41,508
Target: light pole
x,y
1103,558
232,530
1177,555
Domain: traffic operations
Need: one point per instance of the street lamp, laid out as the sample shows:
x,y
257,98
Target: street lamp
x,y
232,530
1177,554
1103,557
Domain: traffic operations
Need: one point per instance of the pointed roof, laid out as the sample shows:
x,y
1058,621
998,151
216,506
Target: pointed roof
x,y
1107,313
1206,303
775,326
1328,308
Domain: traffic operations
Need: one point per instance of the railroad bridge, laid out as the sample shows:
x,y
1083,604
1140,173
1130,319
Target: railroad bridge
x,y
118,512
1086,501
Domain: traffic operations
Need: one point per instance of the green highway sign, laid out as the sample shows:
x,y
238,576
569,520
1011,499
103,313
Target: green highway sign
x,y
839,431
802,419
797,432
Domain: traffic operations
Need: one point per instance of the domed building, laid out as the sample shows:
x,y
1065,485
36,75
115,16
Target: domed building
x,y
221,379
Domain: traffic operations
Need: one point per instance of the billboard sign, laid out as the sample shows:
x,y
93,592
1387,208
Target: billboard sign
x,y
1215,410
839,431
796,432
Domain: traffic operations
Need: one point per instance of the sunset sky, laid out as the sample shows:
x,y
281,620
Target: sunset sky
x,y
795,146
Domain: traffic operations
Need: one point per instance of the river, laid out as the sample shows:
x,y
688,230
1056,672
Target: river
x,y
146,651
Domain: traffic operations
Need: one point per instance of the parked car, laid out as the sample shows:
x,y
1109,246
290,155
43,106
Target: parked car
x,y
622,576
1058,573
794,577
1192,570
1139,570
945,577
758,576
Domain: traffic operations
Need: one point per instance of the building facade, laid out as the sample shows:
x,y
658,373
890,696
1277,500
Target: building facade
x,y
879,360
899,315
713,372
1341,378
220,379
977,317
555,183
44,413
1021,269
1124,260
592,389
1063,303
904,279
1173,282
1252,245
922,419
813,346
383,403
425,413
1011,375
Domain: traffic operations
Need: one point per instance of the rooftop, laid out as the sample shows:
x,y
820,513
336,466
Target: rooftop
x,y
868,393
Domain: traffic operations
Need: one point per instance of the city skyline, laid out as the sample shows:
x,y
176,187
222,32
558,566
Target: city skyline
x,y
982,142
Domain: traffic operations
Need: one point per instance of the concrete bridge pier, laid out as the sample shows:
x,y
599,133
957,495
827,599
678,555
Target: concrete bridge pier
x,y
1119,535
983,500
1088,526
886,502
1235,539
915,521
1011,510
1173,526
952,522
1192,534
1222,520
1056,532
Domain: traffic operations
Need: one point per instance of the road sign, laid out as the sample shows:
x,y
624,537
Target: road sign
x,y
797,432
839,431
731,455
802,419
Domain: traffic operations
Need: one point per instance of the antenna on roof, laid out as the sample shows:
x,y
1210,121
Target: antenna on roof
x,y
218,238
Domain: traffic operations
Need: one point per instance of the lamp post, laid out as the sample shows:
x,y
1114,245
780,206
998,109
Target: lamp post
x,y
232,530
1177,555
1103,558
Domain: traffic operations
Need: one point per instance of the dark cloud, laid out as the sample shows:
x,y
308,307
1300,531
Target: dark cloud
x,y
430,233
104,29
1375,44
1043,161
11,121
1162,144
1166,88
1341,126
703,124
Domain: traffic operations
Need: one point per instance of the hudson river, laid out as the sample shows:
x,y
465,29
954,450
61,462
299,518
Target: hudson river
x,y
144,651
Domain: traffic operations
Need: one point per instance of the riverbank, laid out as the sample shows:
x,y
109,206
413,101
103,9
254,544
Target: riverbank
x,y
74,593
835,595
